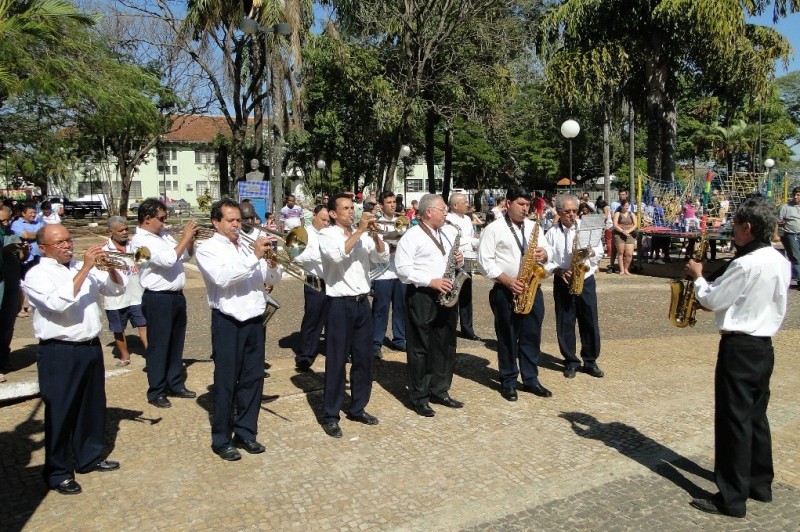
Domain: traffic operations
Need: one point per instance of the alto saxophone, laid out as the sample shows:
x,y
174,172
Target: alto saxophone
x,y
683,306
578,267
453,273
530,274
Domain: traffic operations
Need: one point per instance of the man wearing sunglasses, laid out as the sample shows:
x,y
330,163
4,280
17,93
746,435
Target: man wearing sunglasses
x,y
569,307
163,303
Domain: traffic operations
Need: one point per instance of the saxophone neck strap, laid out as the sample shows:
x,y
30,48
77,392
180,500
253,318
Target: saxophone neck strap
x,y
521,243
437,241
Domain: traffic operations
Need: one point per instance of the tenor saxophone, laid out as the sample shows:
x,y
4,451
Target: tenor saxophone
x,y
578,268
682,305
530,274
456,275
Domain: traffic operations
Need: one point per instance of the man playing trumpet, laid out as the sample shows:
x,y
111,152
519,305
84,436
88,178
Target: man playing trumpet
x,y
163,303
235,279
66,321
128,306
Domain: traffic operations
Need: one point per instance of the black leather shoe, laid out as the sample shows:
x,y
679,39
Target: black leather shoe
x,y
474,337
332,429
760,497
228,453
303,366
183,394
161,402
364,418
509,394
69,487
424,411
594,371
447,401
569,372
105,466
251,446
710,507
537,389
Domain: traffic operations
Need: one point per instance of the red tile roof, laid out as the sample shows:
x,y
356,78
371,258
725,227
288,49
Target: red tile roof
x,y
197,128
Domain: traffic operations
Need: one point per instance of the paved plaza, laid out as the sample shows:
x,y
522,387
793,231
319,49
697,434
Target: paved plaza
x,y
626,452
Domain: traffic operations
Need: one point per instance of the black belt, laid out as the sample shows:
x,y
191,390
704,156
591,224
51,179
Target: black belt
x,y
53,341
740,333
173,292
310,278
359,298
254,319
424,290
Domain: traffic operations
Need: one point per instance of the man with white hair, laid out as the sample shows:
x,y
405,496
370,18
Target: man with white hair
x,y
459,205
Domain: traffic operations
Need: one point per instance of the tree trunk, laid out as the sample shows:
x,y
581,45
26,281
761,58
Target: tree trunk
x,y
391,167
256,50
431,119
632,154
606,154
448,162
224,172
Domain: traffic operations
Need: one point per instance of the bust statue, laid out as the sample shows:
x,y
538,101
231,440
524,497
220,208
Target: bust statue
x,y
254,174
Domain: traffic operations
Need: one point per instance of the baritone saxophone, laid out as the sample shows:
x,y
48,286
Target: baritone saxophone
x,y
530,274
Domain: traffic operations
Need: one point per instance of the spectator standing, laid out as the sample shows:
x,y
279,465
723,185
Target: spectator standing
x,y
789,220
624,226
48,215
291,215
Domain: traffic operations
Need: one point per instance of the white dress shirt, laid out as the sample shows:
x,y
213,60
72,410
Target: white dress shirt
x,y
310,259
347,274
469,244
164,270
58,314
388,225
561,240
750,297
133,288
418,259
234,277
498,248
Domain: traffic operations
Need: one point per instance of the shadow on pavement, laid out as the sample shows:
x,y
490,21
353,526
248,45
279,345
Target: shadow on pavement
x,y
114,417
23,357
631,443
292,341
22,489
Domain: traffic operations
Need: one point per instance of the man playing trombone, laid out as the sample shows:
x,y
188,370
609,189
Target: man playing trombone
x,y
163,303
315,310
235,278
128,306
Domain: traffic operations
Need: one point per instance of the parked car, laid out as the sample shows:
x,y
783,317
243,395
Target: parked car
x,y
79,208
174,207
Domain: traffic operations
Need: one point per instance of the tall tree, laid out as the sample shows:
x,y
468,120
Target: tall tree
x,y
643,60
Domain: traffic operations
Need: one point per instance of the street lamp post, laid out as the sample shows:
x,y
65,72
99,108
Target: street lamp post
x,y
570,130
251,27
768,164
405,151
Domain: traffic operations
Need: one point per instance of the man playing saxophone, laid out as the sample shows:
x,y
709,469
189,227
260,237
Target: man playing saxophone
x,y
574,302
423,257
505,247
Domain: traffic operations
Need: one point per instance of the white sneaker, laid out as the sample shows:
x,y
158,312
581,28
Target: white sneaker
x,y
659,261
2,378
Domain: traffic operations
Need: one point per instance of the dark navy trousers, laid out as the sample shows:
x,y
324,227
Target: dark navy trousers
x,y
72,385
388,291
583,309
165,313
315,314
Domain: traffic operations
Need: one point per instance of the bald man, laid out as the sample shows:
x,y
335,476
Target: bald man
x,y
66,319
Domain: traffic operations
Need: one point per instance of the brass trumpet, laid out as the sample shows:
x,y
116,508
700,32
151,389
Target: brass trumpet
x,y
122,261
294,243
204,232
400,227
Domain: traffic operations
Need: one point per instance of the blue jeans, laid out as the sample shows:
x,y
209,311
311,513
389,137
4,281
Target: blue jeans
x,y
384,292
791,243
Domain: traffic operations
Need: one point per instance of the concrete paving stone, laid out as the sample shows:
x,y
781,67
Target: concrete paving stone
x,y
621,453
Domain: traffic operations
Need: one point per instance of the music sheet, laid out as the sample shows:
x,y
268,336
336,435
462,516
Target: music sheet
x,y
591,231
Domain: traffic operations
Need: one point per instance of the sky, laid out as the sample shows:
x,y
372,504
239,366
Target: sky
x,y
790,28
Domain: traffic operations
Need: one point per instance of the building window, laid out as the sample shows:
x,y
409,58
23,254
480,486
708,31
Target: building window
x,y
202,186
174,170
204,157
174,154
136,189
165,170
175,186
415,185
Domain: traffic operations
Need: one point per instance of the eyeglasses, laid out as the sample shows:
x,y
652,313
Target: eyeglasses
x,y
440,209
570,211
161,219
60,243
